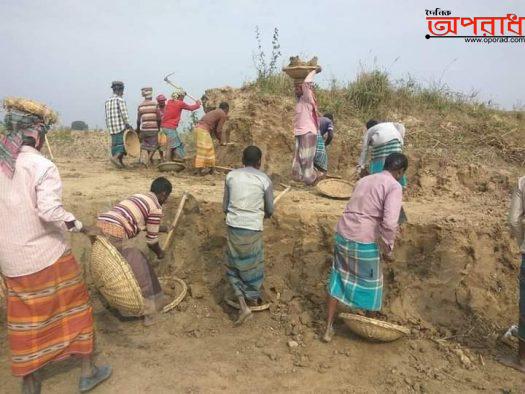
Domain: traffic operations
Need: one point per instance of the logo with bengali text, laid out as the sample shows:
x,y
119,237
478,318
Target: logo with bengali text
x,y
475,29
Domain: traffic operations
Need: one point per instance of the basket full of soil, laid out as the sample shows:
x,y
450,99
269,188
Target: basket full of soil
x,y
335,188
298,69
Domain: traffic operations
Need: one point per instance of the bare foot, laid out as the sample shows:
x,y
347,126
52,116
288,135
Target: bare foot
x,y
328,335
150,320
244,316
115,162
513,362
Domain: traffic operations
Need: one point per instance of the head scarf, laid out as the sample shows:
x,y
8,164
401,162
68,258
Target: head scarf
x,y
161,98
147,92
20,127
177,93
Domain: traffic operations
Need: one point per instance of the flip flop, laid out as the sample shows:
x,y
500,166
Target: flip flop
x,y
101,373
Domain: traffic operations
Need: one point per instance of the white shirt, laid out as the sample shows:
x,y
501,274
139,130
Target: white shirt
x,y
378,135
248,197
31,215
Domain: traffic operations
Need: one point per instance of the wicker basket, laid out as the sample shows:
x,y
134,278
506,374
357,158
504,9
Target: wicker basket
x,y
173,287
299,73
33,107
372,329
258,308
335,188
132,143
114,279
171,166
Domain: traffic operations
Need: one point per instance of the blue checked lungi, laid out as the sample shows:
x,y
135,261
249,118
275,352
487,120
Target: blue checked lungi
x,y
245,262
521,326
117,143
321,158
356,279
175,142
379,155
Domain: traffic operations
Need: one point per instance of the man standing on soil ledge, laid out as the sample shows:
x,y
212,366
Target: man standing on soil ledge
x,y
310,162
516,217
211,123
49,315
248,199
366,230
117,121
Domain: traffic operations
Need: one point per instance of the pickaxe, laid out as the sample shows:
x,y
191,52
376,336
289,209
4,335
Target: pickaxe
x,y
177,87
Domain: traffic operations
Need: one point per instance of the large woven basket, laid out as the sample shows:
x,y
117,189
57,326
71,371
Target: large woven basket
x,y
171,166
33,107
373,329
132,143
299,73
114,279
335,188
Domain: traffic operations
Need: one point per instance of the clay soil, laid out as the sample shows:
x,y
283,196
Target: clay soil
x,y
453,282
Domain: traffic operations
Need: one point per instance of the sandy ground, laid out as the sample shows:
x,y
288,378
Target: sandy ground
x,y
453,283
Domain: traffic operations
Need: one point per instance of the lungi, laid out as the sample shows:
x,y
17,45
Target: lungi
x,y
521,326
245,262
175,142
150,140
117,144
379,155
303,162
49,316
205,155
140,266
321,158
356,279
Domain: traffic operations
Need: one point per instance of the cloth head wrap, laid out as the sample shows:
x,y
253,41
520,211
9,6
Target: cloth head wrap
x,y
147,92
177,93
20,127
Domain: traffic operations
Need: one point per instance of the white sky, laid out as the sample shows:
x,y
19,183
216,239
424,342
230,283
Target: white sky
x,y
66,53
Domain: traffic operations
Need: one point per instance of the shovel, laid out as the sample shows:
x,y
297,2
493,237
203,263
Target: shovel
x,y
169,238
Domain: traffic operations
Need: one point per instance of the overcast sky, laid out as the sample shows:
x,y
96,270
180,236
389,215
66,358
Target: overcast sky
x,y
66,53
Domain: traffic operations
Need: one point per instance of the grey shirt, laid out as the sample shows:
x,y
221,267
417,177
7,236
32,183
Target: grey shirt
x,y
248,198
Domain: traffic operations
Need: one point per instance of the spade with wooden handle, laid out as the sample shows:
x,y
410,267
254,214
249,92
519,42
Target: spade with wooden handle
x,y
49,148
171,233
281,195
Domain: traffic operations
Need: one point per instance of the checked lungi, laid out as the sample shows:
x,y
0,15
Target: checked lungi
x,y
303,169
379,155
521,326
49,316
175,142
356,279
117,144
321,158
245,262
205,155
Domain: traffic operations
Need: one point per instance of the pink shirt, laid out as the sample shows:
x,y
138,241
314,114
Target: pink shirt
x,y
32,216
305,118
373,210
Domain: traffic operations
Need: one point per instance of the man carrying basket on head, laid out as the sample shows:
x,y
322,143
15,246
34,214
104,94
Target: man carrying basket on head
x,y
49,314
117,121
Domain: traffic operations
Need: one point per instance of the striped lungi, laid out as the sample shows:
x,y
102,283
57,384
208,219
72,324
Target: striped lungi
x,y
245,262
205,155
356,279
379,155
521,326
303,162
321,158
49,316
175,142
150,140
117,144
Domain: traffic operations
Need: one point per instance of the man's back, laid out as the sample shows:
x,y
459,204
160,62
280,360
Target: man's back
x,y
31,236
116,114
248,195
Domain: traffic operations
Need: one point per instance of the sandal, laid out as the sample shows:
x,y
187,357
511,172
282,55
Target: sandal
x,y
101,373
